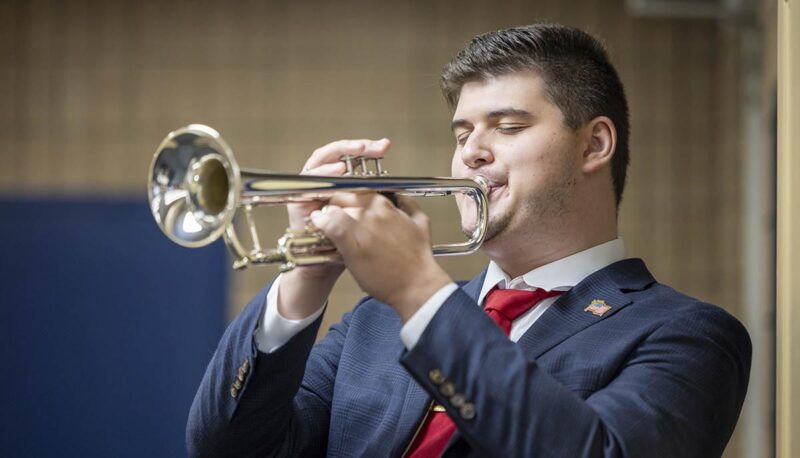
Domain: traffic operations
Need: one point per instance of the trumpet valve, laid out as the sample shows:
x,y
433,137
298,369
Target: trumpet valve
x,y
363,166
349,162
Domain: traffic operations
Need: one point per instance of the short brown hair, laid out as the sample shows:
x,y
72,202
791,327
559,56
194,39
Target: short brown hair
x,y
578,77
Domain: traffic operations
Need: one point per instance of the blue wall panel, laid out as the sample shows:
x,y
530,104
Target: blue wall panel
x,y
105,329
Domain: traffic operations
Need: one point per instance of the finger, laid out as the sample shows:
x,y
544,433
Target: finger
x,y
334,168
337,226
352,199
333,152
376,204
377,148
354,212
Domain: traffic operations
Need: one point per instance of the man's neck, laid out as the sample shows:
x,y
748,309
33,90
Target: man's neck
x,y
519,258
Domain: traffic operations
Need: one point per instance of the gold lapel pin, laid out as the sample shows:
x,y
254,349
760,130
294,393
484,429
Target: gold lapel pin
x,y
598,307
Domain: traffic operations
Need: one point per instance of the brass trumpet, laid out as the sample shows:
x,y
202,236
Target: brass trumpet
x,y
195,188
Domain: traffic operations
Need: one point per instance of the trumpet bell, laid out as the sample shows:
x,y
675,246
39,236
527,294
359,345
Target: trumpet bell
x,y
193,186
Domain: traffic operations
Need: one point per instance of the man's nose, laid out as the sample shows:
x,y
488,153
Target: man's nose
x,y
476,152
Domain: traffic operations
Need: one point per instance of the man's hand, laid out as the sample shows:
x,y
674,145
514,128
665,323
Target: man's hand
x,y
387,249
304,290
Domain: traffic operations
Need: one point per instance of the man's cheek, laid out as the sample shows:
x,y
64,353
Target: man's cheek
x,y
457,168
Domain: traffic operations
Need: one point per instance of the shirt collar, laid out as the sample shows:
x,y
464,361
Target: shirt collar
x,y
561,274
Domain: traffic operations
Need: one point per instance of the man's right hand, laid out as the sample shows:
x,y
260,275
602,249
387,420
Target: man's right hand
x,y
304,290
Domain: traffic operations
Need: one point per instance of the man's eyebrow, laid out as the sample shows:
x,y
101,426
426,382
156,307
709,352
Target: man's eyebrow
x,y
508,112
458,123
503,112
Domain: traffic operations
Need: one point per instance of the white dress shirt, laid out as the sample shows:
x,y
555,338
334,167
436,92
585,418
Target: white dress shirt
x,y
561,275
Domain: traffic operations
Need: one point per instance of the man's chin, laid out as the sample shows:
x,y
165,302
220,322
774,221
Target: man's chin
x,y
469,229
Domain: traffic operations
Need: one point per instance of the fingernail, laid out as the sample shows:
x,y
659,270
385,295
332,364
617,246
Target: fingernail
x,y
318,217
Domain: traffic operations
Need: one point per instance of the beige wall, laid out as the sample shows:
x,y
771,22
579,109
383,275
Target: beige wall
x,y
788,358
89,88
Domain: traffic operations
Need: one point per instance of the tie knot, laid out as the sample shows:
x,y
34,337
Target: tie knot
x,y
512,303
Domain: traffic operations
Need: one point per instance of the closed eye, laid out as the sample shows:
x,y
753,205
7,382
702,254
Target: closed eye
x,y
510,129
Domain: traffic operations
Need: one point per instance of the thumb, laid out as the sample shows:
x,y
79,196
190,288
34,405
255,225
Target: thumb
x,y
337,226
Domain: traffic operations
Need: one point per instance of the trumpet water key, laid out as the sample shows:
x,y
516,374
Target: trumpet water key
x,y
195,187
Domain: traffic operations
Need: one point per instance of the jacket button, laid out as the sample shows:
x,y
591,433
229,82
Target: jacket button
x,y
234,392
246,365
447,389
436,376
457,400
467,411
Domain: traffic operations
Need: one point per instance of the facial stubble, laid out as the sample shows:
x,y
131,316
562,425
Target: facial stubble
x,y
541,213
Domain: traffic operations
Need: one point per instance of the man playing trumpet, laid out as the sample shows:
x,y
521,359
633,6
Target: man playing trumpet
x,y
561,347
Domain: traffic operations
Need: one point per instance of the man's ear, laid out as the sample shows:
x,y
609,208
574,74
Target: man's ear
x,y
601,142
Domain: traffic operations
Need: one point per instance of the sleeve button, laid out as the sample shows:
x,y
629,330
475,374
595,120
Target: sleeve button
x,y
447,389
467,411
436,376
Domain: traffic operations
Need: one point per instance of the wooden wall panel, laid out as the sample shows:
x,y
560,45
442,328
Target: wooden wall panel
x,y
89,88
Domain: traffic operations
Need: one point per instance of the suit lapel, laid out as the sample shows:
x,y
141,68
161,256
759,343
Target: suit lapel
x,y
568,315
473,287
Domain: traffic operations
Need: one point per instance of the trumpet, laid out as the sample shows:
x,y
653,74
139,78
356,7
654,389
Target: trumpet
x,y
195,188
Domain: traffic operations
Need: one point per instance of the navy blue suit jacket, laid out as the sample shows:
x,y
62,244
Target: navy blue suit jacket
x,y
659,374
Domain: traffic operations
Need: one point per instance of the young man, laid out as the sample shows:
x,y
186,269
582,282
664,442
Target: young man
x,y
579,352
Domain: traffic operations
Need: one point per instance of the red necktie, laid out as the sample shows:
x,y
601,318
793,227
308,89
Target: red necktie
x,y
503,306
